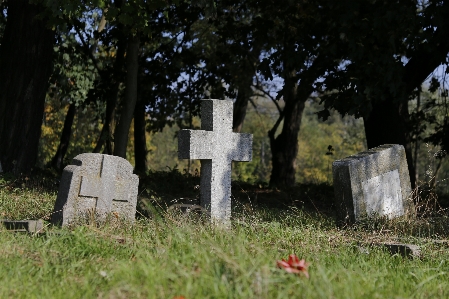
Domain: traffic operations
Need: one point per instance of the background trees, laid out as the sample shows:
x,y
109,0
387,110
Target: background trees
x,y
25,65
152,61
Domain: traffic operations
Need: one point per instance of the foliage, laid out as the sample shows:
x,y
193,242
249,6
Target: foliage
x,y
387,49
344,135
314,166
73,74
84,134
354,52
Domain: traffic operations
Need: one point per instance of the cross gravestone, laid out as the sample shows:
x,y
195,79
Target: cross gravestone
x,y
216,146
96,186
372,183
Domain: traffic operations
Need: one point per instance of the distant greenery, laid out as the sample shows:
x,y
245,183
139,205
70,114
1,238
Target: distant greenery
x,y
345,135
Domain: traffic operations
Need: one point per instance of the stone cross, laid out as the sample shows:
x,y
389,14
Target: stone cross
x,y
216,146
372,183
96,185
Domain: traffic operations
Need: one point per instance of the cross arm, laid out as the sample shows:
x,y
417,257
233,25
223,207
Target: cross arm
x,y
195,144
242,143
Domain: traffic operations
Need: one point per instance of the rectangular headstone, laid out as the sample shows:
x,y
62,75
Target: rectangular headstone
x,y
216,146
94,187
372,183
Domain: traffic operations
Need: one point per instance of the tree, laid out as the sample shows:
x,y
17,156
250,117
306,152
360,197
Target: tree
x,y
25,65
127,111
291,37
390,48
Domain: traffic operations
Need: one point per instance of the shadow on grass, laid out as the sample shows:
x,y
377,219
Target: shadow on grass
x,y
299,204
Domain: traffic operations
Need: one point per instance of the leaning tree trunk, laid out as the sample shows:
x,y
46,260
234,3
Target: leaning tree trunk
x,y
140,141
111,101
241,103
57,160
387,124
127,111
245,83
112,94
25,67
284,148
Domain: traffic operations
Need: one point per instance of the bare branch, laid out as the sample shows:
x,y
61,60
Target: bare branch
x,y
267,94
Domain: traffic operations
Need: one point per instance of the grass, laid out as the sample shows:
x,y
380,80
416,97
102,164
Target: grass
x,y
178,256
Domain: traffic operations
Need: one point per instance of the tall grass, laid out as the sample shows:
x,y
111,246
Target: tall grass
x,y
174,255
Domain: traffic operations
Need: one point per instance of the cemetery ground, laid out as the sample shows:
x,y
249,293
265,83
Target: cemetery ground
x,y
172,254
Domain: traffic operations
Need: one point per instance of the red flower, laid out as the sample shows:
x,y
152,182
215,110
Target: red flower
x,y
294,265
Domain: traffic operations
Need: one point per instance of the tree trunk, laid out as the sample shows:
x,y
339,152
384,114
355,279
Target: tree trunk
x,y
111,101
140,141
284,148
25,67
245,77
387,124
106,133
57,161
241,103
127,111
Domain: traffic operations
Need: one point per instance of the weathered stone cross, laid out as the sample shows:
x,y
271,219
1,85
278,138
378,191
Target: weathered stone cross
x,y
216,146
96,183
103,187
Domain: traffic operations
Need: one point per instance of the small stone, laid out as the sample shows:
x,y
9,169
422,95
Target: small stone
x,y
406,250
30,226
188,208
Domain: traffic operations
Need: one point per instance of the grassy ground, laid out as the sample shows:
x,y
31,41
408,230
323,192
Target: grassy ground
x,y
172,255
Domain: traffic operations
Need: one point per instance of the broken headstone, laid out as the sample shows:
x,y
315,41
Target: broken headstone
x,y
95,187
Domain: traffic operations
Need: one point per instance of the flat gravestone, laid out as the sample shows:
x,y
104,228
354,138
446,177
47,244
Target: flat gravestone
x,y
95,187
372,183
30,226
216,146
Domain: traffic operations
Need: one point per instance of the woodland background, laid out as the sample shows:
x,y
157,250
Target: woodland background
x,y
313,81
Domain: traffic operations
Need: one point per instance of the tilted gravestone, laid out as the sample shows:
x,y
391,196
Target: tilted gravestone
x,y
372,183
216,146
95,187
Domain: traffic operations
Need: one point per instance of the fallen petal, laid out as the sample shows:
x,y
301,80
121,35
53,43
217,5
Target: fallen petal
x,y
283,264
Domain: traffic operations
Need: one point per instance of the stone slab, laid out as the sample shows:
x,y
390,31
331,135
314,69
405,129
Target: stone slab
x,y
372,183
30,226
216,146
96,187
405,250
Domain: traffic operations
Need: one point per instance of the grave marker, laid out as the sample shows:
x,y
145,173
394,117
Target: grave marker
x,y
96,185
30,226
372,183
216,146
